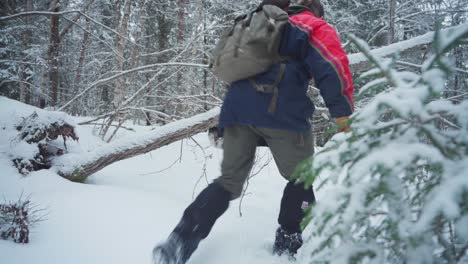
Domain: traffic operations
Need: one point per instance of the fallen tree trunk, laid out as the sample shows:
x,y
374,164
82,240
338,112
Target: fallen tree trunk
x,y
77,167
359,63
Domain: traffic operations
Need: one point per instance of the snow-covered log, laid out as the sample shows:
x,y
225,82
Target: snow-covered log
x,y
359,63
77,167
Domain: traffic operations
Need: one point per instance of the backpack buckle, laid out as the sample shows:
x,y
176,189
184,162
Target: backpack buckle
x,y
263,88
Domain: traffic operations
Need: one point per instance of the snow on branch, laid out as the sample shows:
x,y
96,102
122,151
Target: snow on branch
x,y
47,13
122,73
359,63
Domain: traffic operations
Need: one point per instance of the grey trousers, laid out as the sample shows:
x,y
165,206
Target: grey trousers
x,y
240,142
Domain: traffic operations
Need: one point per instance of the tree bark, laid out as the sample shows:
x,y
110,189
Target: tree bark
x,y
391,26
50,78
205,57
119,86
181,21
76,82
54,54
164,29
458,80
180,37
25,89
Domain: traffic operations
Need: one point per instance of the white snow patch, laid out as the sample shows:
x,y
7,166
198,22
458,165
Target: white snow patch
x,y
127,208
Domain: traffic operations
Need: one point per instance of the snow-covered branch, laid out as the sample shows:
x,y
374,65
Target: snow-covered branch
x,y
47,13
120,74
358,61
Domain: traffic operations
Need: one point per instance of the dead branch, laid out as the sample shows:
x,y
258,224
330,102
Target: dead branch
x,y
74,20
97,124
122,73
203,174
253,174
48,13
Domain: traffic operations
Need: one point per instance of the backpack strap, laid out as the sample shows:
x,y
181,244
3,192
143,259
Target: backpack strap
x,y
274,99
271,88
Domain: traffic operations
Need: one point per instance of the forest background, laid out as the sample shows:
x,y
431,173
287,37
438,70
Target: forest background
x,y
146,61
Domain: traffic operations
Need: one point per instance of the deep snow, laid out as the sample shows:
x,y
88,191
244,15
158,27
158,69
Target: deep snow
x,y
123,211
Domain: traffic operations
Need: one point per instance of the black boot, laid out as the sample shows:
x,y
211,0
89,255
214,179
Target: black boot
x,y
195,225
286,242
295,200
169,252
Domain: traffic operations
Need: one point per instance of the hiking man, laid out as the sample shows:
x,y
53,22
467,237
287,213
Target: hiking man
x,y
281,120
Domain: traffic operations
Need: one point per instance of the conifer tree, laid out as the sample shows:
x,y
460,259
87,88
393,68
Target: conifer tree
x,y
395,188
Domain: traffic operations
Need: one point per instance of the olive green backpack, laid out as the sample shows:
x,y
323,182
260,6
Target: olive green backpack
x,y
251,47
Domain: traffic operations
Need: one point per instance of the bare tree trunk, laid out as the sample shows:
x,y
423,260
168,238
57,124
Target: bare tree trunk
x,y
181,21
180,34
205,57
25,88
119,91
49,84
391,26
164,29
118,14
23,85
76,82
134,51
458,80
54,54
120,84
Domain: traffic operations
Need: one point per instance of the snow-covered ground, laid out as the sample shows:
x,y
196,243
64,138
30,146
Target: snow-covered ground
x,y
123,211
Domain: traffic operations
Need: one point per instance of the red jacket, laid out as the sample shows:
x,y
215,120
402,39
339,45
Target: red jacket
x,y
326,41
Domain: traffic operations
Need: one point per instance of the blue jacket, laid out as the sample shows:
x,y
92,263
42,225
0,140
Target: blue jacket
x,y
315,51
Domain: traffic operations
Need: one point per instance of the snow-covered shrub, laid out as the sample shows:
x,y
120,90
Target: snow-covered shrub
x,y
16,220
395,188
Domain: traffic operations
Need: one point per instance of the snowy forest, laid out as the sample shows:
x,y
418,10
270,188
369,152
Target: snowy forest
x,y
105,107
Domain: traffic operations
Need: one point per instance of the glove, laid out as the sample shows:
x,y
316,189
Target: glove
x,y
343,124
215,136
